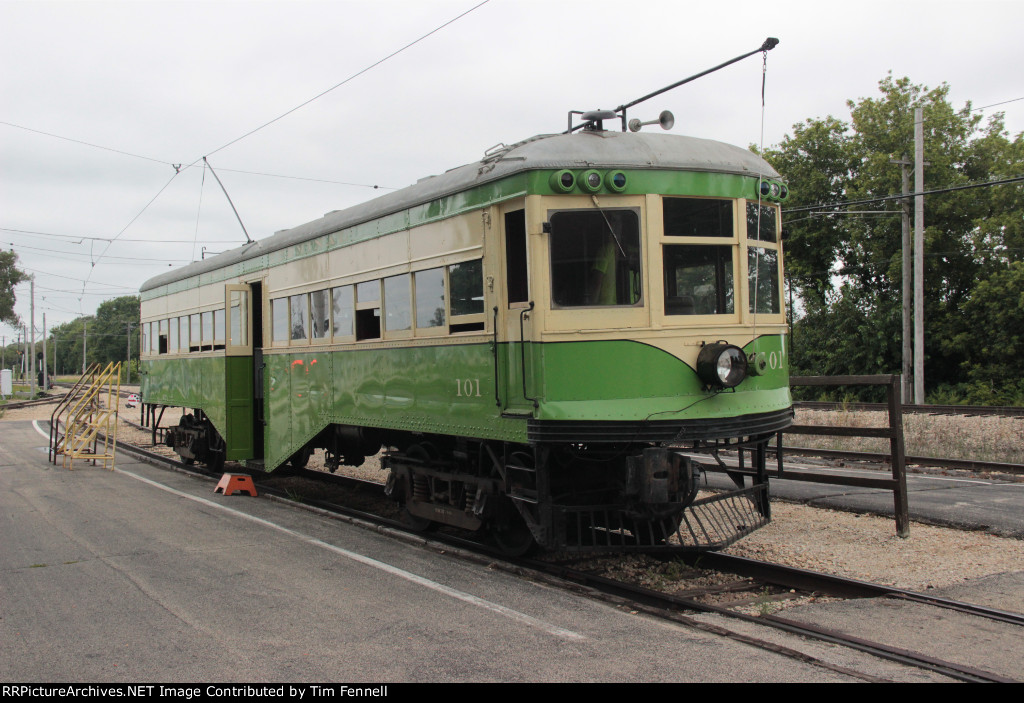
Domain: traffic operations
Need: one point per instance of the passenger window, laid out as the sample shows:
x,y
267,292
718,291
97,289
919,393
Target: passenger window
x,y
219,330
298,306
397,303
196,335
368,310
207,323
595,258
320,313
467,281
343,311
467,296
430,299
279,313
173,343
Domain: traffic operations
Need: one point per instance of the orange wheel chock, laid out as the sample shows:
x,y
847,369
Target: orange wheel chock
x,y
236,483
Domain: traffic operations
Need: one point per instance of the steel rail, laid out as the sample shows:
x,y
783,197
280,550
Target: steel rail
x,y
804,580
939,462
970,410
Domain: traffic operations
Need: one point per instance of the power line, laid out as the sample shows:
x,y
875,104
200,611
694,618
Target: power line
x,y
72,278
950,189
89,256
985,107
315,180
79,141
350,78
178,168
108,239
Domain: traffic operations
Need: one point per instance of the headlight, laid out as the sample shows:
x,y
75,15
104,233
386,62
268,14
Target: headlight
x,y
721,365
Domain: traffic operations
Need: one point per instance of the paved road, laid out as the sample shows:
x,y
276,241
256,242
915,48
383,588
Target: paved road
x,y
963,500
141,574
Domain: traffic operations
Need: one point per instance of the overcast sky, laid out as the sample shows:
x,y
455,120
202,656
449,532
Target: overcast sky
x,y
162,83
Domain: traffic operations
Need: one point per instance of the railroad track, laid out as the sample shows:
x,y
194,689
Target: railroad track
x,y
1006,410
910,461
749,583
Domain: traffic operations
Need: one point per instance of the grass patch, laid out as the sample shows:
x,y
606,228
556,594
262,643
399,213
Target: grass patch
x,y
981,438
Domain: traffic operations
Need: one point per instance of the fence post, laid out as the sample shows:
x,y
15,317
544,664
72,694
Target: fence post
x,y
901,506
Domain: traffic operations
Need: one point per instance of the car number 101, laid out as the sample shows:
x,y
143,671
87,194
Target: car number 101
x,y
468,388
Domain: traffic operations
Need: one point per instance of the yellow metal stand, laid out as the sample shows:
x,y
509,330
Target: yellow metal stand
x,y
90,430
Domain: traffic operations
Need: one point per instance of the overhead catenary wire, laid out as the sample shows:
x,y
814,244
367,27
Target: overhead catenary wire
x,y
347,80
178,168
948,189
123,240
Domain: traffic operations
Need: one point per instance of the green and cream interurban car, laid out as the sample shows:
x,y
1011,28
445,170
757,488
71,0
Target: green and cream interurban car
x,y
545,342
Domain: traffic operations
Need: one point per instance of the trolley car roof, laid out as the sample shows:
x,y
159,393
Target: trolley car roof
x,y
596,149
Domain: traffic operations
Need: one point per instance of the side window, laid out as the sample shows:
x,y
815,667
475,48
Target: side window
x,y
343,311
183,343
219,330
397,303
173,344
195,336
430,299
466,281
207,326
368,310
299,307
320,313
279,321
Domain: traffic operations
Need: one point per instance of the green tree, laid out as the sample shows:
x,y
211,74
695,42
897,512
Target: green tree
x,y
10,276
847,268
109,337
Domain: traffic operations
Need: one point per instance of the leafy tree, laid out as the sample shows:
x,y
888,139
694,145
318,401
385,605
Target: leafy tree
x,y
109,336
10,276
847,268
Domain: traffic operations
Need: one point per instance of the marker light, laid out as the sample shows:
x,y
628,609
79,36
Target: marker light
x,y
562,181
590,181
616,181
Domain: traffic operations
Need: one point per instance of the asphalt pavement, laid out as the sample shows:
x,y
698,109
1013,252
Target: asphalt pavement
x,y
141,574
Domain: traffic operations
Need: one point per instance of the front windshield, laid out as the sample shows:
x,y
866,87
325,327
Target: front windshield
x,y
595,258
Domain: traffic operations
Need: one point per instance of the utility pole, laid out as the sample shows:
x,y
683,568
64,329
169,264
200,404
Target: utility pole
x,y
32,324
85,326
45,383
919,256
908,277
128,363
